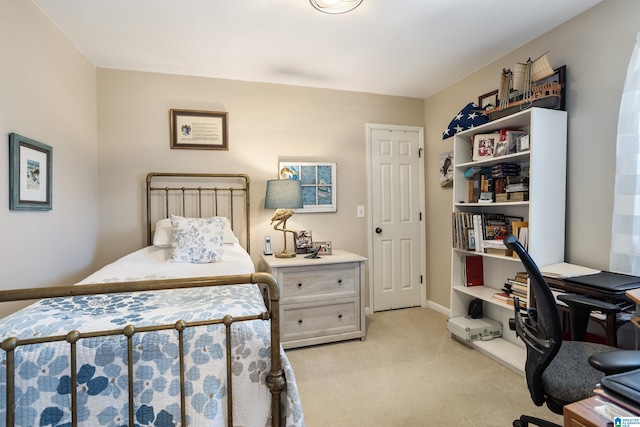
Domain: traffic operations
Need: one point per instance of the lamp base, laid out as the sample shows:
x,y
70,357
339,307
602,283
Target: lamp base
x,y
285,254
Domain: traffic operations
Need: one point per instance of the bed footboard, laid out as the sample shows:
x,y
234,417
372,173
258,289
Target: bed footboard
x,y
275,379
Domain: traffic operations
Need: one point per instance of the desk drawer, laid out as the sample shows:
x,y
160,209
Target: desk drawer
x,y
320,319
301,284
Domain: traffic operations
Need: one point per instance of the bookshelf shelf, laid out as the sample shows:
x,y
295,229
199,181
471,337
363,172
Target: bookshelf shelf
x,y
484,205
545,163
504,258
510,355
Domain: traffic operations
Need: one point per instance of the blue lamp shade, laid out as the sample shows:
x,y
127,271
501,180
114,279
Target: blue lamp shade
x,y
283,194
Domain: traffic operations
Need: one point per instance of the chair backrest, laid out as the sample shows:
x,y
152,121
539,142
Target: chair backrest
x,y
540,328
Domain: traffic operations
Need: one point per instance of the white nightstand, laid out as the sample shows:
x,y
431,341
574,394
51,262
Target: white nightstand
x,y
321,300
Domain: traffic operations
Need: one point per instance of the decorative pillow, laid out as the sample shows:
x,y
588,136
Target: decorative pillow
x,y
196,240
162,233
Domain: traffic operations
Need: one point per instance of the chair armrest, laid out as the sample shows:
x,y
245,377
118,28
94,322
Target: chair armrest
x,y
587,303
616,361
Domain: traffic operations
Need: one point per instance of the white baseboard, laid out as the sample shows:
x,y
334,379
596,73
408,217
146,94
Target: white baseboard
x,y
429,304
439,308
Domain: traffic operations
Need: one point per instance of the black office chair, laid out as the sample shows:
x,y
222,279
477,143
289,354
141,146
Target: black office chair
x,y
558,372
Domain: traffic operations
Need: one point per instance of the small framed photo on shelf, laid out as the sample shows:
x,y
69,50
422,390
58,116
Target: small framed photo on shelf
x,y
303,241
324,247
30,174
523,143
489,100
484,145
501,149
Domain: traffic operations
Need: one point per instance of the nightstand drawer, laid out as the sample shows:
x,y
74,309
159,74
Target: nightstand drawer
x,y
301,284
312,320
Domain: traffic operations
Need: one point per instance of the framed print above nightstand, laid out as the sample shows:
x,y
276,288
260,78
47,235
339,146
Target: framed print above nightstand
x,y
318,181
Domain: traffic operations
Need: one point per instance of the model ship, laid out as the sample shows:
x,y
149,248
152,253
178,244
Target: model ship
x,y
531,84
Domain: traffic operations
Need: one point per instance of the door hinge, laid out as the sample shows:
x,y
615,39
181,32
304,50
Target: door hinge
x,y
420,216
421,279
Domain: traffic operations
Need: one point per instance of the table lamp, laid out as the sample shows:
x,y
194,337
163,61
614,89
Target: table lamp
x,y
284,195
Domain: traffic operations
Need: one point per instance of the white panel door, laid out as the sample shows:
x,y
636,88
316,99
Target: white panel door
x,y
397,239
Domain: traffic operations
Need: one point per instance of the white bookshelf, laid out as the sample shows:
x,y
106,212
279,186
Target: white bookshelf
x,y
545,212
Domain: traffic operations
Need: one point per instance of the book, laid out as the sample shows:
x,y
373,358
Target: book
x,y
515,230
495,226
479,234
520,279
505,298
474,274
517,285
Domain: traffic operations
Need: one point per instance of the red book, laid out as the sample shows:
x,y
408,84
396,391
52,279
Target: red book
x,y
474,275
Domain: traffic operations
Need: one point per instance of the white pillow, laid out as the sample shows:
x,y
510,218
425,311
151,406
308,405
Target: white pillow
x,y
196,240
162,233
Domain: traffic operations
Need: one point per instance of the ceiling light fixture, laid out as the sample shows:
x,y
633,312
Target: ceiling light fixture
x,y
335,6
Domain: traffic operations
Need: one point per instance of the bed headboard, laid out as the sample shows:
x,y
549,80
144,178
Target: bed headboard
x,y
199,195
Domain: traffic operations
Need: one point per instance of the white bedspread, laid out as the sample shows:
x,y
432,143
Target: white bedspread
x,y
42,371
151,263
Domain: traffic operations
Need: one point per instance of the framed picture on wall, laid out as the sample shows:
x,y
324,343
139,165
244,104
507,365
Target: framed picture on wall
x,y
30,173
198,130
319,187
446,169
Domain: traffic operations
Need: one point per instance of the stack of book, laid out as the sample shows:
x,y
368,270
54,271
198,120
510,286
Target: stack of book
x,y
517,286
504,298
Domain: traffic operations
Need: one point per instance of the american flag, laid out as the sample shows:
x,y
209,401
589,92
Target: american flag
x,y
469,117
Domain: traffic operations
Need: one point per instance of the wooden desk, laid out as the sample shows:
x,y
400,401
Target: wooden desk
x,y
583,413
634,295
611,322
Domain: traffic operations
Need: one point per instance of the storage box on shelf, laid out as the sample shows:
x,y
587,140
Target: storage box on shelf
x,y
536,204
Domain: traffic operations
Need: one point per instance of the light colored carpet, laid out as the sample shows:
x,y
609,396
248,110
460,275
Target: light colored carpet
x,y
408,372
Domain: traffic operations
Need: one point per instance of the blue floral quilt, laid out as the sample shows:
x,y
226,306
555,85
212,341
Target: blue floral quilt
x,y
43,382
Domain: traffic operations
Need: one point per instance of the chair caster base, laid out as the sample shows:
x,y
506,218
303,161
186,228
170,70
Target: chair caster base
x,y
525,420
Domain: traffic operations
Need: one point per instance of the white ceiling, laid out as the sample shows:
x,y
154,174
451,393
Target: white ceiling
x,y
395,47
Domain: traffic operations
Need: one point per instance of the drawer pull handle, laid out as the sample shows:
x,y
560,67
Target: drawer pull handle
x,y
340,281
339,316
299,285
300,321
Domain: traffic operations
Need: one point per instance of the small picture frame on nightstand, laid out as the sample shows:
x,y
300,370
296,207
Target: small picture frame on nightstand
x,y
303,241
325,247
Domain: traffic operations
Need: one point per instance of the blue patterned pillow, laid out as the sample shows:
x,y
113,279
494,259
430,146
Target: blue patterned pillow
x,y
196,240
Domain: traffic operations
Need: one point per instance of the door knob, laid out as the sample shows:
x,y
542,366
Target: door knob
x,y
378,230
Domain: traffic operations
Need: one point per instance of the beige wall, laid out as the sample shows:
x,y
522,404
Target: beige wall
x,y
47,93
596,47
266,123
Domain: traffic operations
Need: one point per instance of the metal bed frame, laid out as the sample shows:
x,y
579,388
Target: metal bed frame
x,y
275,380
176,198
